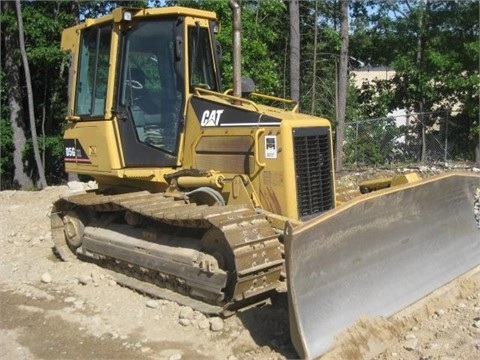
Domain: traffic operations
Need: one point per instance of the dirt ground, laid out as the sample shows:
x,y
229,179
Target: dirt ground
x,y
56,310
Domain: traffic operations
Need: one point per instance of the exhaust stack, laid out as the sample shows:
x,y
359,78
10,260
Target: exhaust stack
x,y
237,56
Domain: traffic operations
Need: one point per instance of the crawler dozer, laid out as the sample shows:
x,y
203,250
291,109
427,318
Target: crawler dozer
x,y
212,198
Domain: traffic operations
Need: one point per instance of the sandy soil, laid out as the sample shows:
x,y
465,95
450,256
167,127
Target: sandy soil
x,y
56,310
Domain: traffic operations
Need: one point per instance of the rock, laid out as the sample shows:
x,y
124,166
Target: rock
x,y
476,344
145,349
411,343
184,322
84,279
186,313
79,304
203,324
91,185
216,324
198,315
76,186
46,278
70,299
170,354
96,321
151,304
95,278
477,324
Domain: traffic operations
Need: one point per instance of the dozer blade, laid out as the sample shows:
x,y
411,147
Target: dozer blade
x,y
378,254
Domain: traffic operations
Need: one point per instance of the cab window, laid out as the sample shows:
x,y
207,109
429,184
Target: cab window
x,y
201,64
94,59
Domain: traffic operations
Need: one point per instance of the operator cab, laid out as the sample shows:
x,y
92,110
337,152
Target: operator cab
x,y
152,88
161,58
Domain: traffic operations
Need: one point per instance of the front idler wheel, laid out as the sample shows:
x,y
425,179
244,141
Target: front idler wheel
x,y
74,229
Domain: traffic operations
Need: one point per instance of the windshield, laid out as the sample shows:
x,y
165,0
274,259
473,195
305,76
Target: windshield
x,y
150,87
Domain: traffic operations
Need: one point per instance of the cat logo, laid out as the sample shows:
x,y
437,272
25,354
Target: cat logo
x,y
211,118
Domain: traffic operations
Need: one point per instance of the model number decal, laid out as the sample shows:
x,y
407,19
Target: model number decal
x,y
74,152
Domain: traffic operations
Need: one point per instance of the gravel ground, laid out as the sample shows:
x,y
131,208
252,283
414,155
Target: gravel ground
x,y
56,310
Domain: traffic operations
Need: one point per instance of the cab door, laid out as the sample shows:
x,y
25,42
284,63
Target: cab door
x,y
151,93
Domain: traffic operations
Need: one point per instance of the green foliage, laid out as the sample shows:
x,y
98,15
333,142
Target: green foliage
x,y
95,9
44,22
7,20
263,40
51,148
6,153
444,75
375,99
433,47
372,142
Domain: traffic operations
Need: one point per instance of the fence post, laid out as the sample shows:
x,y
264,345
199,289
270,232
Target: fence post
x,y
356,141
446,136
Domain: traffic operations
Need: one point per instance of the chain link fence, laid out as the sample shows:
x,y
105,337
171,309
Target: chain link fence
x,y
403,138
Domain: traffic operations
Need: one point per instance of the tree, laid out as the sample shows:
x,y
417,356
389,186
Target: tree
x,y
342,85
6,143
314,70
433,48
43,23
320,55
294,50
28,80
263,40
14,96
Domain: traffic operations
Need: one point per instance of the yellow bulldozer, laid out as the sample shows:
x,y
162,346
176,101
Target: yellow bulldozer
x,y
213,199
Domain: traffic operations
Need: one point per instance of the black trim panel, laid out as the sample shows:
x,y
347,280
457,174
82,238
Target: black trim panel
x,y
213,114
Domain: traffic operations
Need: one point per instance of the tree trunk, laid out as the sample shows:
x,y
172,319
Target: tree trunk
x,y
477,152
28,80
342,85
314,70
20,177
294,50
421,97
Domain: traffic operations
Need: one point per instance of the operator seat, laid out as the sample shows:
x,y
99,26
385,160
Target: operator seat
x,y
141,95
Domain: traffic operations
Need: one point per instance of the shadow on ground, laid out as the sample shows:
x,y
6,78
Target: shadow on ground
x,y
268,325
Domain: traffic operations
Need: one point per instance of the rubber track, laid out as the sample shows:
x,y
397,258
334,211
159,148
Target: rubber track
x,y
255,245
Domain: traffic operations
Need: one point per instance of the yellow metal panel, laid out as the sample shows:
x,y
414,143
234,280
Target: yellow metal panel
x,y
164,11
70,44
98,141
110,96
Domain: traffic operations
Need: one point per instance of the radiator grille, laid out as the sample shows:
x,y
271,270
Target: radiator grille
x,y
313,171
